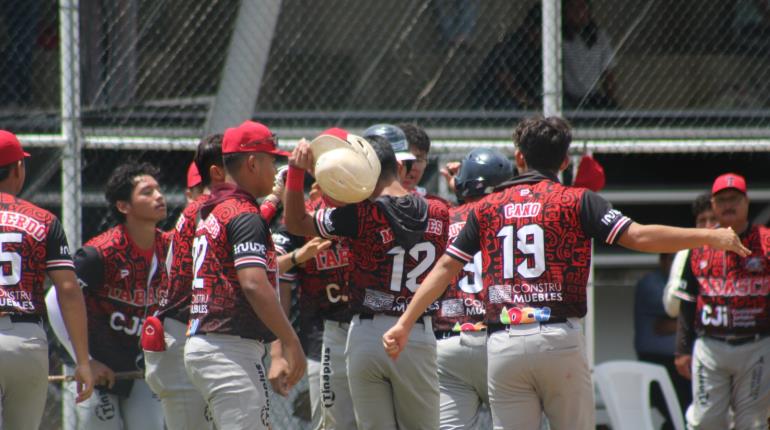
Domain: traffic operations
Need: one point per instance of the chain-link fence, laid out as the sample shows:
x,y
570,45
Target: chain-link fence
x,y
91,83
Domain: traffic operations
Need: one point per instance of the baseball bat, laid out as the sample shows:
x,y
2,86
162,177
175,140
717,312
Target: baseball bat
x,y
134,374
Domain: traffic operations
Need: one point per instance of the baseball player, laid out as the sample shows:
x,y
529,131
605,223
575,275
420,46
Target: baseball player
x,y
395,237
534,236
459,323
33,245
419,145
183,406
322,283
235,308
724,322
121,271
704,218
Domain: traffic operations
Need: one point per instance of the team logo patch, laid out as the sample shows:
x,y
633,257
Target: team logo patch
x,y
755,264
105,410
452,308
378,301
500,294
469,327
528,315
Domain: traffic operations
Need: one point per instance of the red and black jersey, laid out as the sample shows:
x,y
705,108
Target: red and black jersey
x,y
32,242
385,274
534,237
731,293
174,301
462,306
120,282
232,236
322,281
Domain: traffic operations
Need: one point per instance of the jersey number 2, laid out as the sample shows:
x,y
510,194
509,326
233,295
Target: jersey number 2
x,y
529,241
398,252
200,245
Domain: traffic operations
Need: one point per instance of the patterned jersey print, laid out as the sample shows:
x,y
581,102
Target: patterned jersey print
x,y
175,299
120,284
322,281
732,293
535,244
462,306
384,275
233,236
32,241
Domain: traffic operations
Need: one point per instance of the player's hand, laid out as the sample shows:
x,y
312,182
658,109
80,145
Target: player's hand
x,y
295,357
311,249
279,369
302,156
449,172
102,374
394,340
726,239
279,184
84,381
683,365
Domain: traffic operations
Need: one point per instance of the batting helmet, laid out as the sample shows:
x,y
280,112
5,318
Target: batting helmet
x,y
346,166
395,136
480,171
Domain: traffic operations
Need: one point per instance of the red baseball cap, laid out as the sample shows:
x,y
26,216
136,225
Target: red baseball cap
x,y
729,180
251,136
193,176
10,148
590,174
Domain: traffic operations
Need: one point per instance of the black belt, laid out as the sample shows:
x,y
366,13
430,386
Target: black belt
x,y
491,328
371,317
446,334
25,318
734,341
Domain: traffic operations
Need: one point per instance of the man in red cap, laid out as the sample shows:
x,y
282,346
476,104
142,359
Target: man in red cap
x,y
724,320
33,244
235,309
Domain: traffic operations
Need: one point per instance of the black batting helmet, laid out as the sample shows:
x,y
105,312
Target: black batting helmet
x,y
480,171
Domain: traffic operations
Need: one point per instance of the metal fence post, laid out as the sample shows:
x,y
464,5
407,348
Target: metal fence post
x,y
552,76
70,120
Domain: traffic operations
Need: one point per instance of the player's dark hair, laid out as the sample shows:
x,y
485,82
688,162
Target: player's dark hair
x,y
544,142
234,161
209,153
415,136
701,204
388,162
5,171
121,184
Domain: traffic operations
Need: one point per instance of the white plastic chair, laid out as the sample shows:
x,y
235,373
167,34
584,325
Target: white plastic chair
x,y
625,389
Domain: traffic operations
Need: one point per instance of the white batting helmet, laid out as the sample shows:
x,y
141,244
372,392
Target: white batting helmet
x,y
346,166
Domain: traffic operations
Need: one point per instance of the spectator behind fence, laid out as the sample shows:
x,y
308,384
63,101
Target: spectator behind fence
x,y
511,76
655,335
587,59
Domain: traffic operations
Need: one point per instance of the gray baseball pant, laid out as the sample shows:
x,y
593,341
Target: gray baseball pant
x,y
141,410
228,372
534,368
335,396
462,376
387,394
314,387
183,406
23,374
725,376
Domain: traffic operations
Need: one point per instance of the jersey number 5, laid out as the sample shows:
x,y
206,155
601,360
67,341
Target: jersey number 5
x,y
13,258
428,252
529,241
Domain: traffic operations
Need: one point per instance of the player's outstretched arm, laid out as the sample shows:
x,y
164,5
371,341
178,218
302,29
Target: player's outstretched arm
x,y
264,301
394,340
298,221
665,239
73,311
308,251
